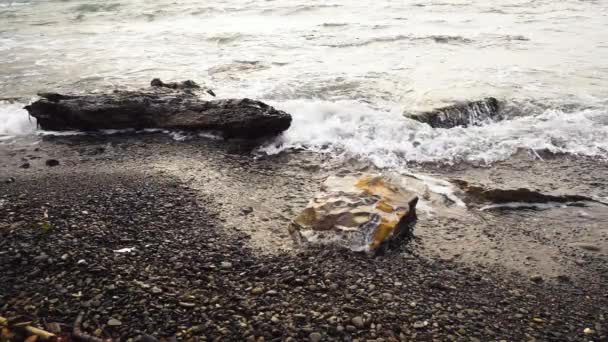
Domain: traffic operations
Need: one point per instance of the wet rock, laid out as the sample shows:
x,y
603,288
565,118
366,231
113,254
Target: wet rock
x,y
461,114
9,180
188,84
52,162
479,193
158,107
366,213
184,85
25,166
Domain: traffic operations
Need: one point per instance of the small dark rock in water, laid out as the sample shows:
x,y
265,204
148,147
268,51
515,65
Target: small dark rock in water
x,y
188,84
246,210
25,166
52,162
158,107
479,193
9,180
461,114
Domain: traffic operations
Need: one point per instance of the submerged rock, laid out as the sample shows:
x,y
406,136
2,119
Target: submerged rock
x,y
366,213
461,114
476,193
158,107
187,84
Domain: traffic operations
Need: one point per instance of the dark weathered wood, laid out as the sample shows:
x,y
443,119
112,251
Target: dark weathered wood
x,y
158,107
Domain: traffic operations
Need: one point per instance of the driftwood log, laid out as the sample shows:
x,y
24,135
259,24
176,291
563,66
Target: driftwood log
x,y
159,107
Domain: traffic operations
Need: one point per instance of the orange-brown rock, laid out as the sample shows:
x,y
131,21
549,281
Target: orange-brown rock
x,y
364,213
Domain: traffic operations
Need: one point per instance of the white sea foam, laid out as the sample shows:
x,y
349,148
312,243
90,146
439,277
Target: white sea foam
x,y
14,120
389,140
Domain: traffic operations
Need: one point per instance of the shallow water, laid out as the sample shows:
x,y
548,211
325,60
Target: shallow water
x,y
346,70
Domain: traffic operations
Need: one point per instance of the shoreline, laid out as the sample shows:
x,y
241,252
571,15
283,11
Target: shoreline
x,y
222,273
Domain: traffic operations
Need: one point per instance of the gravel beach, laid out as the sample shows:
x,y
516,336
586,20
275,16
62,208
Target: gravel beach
x,y
147,253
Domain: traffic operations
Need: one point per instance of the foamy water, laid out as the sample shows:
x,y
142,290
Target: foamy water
x,y
346,70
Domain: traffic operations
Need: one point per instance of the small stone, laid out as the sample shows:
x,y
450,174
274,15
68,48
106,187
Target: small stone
x,y
55,328
25,166
420,324
537,278
257,290
246,210
586,246
52,162
187,304
225,264
315,337
157,290
588,331
65,257
9,180
358,322
81,262
113,322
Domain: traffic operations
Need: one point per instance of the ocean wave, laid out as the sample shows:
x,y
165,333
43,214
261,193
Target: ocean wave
x,y
238,67
99,7
14,120
387,139
226,38
334,24
308,8
15,3
440,39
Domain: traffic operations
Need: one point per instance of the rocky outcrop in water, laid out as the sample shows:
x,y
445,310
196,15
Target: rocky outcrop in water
x,y
461,114
367,213
159,107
